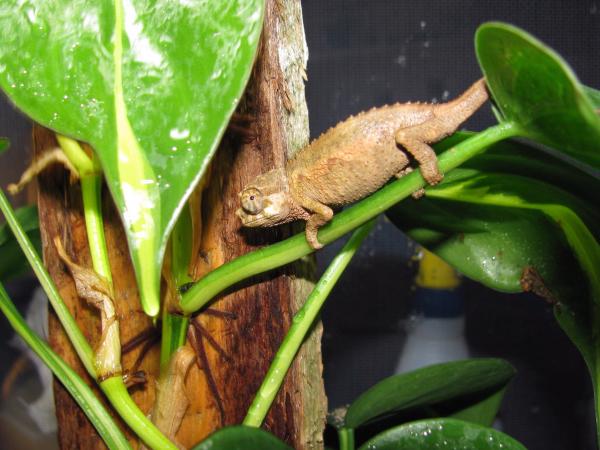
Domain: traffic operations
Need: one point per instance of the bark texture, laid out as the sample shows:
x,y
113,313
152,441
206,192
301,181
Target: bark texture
x,y
263,307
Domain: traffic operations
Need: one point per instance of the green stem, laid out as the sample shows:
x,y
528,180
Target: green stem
x,y
82,348
346,437
113,387
174,326
301,323
79,390
117,394
296,247
77,156
90,173
174,332
91,190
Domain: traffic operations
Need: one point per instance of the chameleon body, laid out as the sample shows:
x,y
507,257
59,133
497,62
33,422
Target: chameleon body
x,y
354,159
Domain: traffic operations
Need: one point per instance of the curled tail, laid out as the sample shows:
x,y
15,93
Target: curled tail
x,y
461,108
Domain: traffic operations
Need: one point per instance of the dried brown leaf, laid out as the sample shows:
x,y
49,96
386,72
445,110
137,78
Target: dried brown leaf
x,y
54,156
96,291
171,399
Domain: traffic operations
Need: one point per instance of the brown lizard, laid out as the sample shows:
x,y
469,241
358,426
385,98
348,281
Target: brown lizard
x,y
354,159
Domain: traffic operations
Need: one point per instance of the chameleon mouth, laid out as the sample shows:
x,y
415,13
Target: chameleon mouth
x,y
249,220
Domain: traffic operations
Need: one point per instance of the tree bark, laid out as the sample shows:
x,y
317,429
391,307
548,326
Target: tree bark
x,y
223,384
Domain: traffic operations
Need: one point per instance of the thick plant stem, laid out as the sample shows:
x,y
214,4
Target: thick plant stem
x,y
115,390
174,332
301,324
296,247
91,190
346,437
113,387
80,344
90,173
177,260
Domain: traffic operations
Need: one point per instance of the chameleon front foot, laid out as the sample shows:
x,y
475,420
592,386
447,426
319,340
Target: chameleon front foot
x,y
312,239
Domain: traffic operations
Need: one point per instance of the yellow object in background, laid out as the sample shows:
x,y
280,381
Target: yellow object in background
x,y
435,273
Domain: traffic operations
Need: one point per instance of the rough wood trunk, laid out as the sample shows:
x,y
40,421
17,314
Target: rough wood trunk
x,y
263,307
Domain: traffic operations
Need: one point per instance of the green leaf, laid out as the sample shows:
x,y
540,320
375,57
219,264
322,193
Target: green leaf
x,y
483,412
593,95
150,85
3,145
13,261
241,437
489,219
536,89
473,380
79,390
537,230
447,434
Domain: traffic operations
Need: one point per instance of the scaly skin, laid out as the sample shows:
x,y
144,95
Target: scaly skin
x,y
354,159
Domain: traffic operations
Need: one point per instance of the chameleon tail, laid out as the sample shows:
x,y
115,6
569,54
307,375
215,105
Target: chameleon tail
x,y
461,108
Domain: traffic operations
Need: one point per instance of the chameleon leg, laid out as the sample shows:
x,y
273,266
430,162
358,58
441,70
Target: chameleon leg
x,y
321,214
414,139
443,121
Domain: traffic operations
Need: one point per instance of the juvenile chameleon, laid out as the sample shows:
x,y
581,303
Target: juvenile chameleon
x,y
354,159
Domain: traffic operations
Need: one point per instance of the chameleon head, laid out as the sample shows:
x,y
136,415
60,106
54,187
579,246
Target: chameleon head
x,y
266,200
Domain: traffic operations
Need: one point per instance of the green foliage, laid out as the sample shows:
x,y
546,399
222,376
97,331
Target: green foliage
x,y
533,87
150,86
241,437
496,216
448,387
3,145
81,392
13,261
515,218
447,434
470,390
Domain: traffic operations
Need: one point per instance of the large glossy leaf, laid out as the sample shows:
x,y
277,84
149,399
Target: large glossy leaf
x,y
537,231
150,84
12,259
533,87
241,437
559,208
473,379
445,434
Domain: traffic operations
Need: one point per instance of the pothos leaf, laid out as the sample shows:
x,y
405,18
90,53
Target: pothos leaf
x,y
428,387
536,89
516,219
241,437
449,434
150,84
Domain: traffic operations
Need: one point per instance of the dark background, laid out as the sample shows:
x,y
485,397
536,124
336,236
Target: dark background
x,y
365,53
369,53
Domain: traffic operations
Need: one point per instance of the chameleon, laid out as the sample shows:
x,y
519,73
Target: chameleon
x,y
354,159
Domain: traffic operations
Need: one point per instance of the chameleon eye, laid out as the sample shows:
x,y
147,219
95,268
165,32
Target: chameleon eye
x,y
252,201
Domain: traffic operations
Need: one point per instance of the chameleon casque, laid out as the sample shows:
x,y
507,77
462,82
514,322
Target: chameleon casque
x,y
354,159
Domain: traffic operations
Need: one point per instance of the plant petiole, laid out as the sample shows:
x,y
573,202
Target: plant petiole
x,y
301,324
